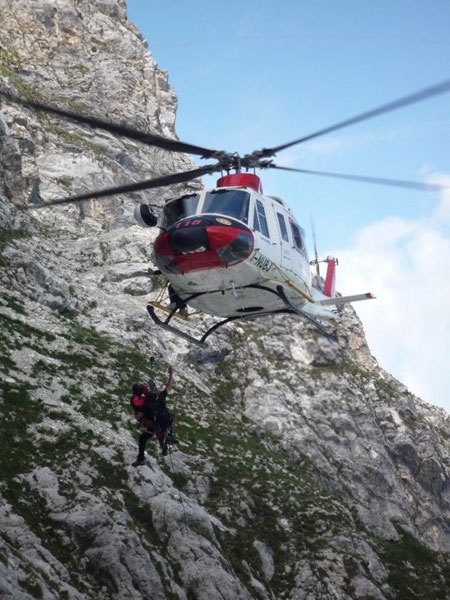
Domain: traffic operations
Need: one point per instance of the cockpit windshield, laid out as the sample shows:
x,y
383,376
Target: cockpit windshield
x,y
177,209
233,203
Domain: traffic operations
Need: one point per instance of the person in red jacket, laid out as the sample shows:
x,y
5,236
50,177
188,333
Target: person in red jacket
x,y
151,412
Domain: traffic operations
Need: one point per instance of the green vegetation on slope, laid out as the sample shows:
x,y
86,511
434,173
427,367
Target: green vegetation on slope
x,y
64,394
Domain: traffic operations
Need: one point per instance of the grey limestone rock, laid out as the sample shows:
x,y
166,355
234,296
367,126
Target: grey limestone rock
x,y
305,471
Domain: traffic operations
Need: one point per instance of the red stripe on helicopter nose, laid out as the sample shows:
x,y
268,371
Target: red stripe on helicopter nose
x,y
221,235
220,254
224,249
199,261
161,246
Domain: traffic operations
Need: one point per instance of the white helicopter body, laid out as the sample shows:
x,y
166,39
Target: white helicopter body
x,y
233,252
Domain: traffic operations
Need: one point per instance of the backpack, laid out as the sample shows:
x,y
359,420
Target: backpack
x,y
140,399
161,413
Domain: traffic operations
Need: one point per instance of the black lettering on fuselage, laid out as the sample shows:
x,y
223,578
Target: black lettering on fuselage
x,y
261,262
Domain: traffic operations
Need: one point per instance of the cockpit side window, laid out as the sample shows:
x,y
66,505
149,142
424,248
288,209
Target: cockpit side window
x,y
259,218
233,203
283,228
299,237
178,208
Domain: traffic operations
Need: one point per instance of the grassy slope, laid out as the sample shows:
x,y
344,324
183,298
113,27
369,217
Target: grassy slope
x,y
256,490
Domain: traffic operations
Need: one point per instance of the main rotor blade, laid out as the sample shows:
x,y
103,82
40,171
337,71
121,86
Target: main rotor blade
x,y
134,187
435,90
414,185
134,134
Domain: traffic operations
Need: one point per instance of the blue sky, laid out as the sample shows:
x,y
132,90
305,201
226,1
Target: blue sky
x,y
254,74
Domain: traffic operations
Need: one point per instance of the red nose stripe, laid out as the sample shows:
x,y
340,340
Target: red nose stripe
x,y
161,246
198,261
217,246
218,237
221,236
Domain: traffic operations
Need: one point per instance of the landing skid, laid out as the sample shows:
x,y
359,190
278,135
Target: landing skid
x,y
326,331
289,308
199,342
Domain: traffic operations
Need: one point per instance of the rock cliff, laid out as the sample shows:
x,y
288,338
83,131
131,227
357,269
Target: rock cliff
x,y
305,471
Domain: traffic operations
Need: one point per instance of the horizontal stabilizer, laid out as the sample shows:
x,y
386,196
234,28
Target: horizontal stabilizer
x,y
345,299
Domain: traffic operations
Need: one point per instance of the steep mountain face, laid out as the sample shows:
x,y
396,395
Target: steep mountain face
x,y
305,471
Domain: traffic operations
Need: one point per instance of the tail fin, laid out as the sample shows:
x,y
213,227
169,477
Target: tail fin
x,y
325,296
329,287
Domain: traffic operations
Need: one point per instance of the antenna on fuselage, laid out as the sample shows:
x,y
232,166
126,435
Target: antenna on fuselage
x,y
315,261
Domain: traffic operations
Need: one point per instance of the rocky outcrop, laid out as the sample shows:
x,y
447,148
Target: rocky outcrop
x,y
84,56
305,471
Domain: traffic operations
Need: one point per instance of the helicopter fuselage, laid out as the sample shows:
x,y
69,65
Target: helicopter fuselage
x,y
226,251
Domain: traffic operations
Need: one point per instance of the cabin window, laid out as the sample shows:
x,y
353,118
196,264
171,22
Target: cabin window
x,y
259,219
178,208
283,228
233,203
297,234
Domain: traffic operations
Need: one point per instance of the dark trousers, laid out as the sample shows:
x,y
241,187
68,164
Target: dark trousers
x,y
143,438
163,424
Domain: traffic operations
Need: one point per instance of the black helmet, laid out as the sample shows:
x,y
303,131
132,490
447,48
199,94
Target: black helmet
x,y
138,389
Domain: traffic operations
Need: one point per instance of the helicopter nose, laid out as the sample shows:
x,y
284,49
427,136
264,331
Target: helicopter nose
x,y
193,244
188,239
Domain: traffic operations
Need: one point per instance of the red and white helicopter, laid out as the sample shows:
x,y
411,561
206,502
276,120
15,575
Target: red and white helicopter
x,y
233,252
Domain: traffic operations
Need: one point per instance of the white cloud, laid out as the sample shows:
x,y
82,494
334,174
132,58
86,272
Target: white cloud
x,y
406,264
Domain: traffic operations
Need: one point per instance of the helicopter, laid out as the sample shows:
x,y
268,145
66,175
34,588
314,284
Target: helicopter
x,y
236,253
231,251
